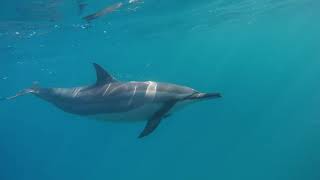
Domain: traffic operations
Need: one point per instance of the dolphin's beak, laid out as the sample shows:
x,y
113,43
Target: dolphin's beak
x,y
209,95
204,96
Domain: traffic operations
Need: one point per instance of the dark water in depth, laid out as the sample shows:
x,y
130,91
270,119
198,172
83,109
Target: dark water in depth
x,y
263,56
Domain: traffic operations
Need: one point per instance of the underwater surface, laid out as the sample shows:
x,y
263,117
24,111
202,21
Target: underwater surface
x,y
263,56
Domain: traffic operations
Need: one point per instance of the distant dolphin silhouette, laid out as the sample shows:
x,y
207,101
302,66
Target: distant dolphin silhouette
x,y
112,100
109,9
103,12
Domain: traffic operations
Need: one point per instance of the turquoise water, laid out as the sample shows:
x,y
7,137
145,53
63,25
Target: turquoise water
x,y
263,56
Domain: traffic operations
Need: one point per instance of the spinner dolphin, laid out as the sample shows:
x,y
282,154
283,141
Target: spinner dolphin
x,y
112,100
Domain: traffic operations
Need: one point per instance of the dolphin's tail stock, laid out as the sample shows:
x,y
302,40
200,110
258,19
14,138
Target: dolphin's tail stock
x,y
32,89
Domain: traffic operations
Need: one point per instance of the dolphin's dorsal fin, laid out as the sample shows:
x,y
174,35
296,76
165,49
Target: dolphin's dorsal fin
x,y
103,77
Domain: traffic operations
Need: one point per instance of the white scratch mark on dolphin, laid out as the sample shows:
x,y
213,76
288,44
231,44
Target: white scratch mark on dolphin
x,y
114,89
133,94
151,89
105,92
76,92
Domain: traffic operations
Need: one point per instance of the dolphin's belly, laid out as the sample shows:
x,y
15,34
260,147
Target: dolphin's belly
x,y
142,113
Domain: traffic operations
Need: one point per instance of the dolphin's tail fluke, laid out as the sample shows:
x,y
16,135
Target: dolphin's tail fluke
x,y
23,92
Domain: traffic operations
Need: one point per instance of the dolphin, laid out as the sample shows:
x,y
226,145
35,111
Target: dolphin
x,y
112,100
103,12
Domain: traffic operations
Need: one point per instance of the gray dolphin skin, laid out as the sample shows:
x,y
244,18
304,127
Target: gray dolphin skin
x,y
112,100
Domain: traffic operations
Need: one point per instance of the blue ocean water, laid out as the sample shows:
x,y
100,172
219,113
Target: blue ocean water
x,y
263,56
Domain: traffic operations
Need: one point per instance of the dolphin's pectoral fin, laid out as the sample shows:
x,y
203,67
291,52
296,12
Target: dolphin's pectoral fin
x,y
154,121
103,77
